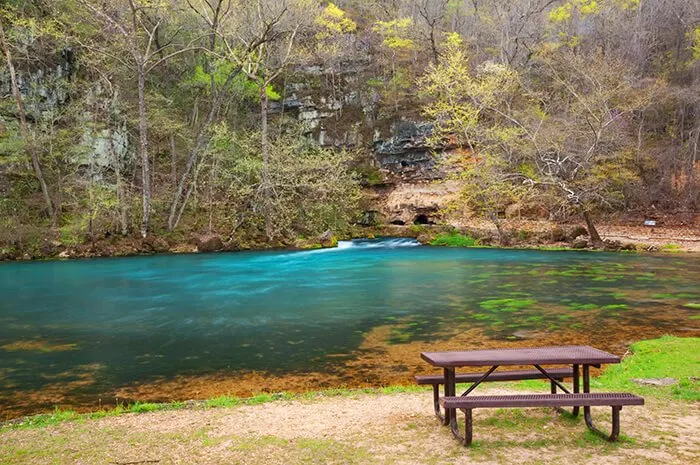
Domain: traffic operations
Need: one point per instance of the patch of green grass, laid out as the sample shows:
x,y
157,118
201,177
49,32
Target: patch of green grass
x,y
673,248
145,407
666,357
223,401
454,240
590,438
693,305
514,418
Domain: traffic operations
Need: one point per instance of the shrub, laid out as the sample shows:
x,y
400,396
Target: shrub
x,y
454,240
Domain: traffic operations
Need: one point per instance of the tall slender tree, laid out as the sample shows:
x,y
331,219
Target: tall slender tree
x,y
25,130
133,29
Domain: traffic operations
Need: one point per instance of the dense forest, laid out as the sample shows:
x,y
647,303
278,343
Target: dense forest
x,y
258,121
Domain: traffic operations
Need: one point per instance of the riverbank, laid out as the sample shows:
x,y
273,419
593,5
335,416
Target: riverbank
x,y
524,234
393,425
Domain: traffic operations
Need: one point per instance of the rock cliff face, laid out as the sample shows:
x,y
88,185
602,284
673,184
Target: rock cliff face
x,y
341,110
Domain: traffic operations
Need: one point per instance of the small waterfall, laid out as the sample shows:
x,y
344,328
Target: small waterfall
x,y
385,243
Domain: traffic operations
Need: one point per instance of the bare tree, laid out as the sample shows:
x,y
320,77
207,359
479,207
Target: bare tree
x,y
24,127
135,26
213,13
261,41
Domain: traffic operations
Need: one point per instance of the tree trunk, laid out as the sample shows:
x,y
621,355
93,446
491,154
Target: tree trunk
x,y
143,148
265,150
217,98
173,162
592,231
121,198
24,128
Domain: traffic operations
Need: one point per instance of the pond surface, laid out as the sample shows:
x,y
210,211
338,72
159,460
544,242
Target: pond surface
x,y
87,333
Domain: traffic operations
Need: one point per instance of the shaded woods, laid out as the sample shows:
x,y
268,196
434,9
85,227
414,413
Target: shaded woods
x,y
174,118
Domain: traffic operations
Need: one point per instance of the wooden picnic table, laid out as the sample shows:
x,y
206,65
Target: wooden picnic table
x,y
580,358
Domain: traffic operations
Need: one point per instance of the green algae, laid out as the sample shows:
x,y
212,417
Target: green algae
x,y
506,305
581,306
615,307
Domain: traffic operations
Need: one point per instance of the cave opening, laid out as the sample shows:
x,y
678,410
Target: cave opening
x,y
422,219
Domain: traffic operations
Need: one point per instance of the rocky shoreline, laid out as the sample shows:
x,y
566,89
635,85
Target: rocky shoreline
x,y
540,235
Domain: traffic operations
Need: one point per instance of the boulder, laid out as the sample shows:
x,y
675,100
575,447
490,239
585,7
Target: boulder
x,y
581,242
155,244
557,234
49,249
612,245
655,381
327,239
209,243
578,231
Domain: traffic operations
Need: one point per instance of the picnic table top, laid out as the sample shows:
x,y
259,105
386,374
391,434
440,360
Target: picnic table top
x,y
564,355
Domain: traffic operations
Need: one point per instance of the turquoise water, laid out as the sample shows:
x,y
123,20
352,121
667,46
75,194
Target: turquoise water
x,y
75,331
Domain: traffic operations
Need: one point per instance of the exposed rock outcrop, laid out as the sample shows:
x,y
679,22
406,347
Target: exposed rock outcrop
x,y
417,203
209,243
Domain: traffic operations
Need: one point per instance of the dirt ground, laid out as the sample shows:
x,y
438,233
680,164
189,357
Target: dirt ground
x,y
688,239
359,429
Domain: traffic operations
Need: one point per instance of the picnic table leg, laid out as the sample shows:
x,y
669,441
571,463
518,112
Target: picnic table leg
x,y
587,410
450,390
436,403
587,389
575,410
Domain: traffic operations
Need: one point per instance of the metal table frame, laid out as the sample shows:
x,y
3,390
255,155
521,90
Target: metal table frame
x,y
577,356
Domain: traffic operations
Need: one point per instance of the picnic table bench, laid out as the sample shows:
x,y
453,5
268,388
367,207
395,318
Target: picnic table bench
x,y
577,357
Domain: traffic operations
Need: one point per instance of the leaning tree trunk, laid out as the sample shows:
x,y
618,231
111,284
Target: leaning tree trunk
x,y
592,231
143,148
24,128
266,185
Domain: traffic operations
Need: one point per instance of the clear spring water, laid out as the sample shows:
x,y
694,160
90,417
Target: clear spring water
x,y
75,331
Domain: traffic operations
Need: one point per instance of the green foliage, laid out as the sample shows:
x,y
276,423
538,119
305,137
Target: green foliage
x,y
561,13
557,118
314,189
464,107
240,85
369,176
454,240
694,36
396,34
333,20
672,248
